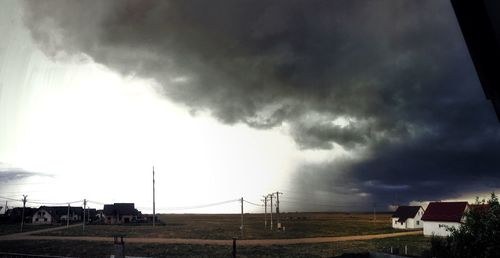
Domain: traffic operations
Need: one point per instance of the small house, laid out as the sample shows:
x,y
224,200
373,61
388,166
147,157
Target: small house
x,y
440,216
14,215
56,214
407,217
120,213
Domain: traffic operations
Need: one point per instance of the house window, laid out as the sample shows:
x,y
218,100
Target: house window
x,y
36,219
45,219
418,222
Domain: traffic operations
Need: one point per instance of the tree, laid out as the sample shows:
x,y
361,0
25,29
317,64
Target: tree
x,y
478,236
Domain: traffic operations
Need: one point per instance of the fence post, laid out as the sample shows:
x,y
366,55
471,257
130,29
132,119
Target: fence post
x,y
119,247
234,247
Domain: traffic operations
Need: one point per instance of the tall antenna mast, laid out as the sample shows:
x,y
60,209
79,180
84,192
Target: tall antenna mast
x,y
154,211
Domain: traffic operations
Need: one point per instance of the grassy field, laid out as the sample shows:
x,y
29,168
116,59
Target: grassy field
x,y
6,229
216,226
416,245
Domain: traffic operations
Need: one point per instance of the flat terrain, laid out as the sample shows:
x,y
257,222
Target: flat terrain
x,y
227,226
209,235
416,245
6,229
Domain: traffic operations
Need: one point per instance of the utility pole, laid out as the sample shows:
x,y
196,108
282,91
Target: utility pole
x,y
67,218
5,211
278,224
265,211
271,196
84,206
241,218
154,211
24,206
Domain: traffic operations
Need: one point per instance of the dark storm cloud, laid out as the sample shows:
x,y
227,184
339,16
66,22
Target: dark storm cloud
x,y
395,72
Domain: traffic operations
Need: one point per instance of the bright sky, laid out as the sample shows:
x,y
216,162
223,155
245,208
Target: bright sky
x,y
355,98
96,135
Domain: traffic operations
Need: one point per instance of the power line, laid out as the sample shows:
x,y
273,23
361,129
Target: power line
x,y
252,203
10,199
201,206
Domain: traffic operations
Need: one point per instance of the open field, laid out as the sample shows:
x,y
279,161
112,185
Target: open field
x,y
416,245
6,229
226,226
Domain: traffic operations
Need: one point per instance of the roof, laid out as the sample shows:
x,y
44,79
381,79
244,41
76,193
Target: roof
x,y
480,25
445,211
57,211
120,209
405,212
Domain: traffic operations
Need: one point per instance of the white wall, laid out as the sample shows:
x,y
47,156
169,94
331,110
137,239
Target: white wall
x,y
438,228
398,225
43,217
411,222
418,218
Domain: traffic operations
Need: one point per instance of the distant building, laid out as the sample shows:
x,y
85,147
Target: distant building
x,y
57,214
407,217
120,213
14,215
439,216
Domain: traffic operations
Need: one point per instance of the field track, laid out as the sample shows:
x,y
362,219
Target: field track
x,y
259,242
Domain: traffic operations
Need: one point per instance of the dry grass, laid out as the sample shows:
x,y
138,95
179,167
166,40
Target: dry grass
x,y
416,245
226,226
6,229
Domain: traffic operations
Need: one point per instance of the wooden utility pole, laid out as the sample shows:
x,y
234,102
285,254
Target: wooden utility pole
x,y
278,225
67,218
271,196
265,211
241,218
5,211
84,206
154,211
22,216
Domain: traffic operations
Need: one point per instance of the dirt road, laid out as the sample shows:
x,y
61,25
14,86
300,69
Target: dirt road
x,y
259,242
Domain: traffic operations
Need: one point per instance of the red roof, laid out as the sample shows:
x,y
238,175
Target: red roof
x,y
445,211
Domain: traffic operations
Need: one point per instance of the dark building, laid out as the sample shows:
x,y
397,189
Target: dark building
x,y
119,213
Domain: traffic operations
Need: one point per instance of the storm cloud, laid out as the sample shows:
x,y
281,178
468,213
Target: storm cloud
x,y
389,80
9,173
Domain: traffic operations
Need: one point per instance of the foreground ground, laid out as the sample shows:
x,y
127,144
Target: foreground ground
x,y
227,226
188,235
6,229
415,244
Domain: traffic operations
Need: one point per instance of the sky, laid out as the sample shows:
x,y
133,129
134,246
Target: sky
x,y
341,105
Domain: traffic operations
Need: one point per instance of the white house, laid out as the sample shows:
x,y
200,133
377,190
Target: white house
x,y
407,217
440,216
56,214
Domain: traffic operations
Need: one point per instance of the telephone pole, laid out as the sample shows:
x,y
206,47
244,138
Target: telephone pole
x,y
154,211
241,218
24,206
84,206
271,196
265,211
278,224
5,211
67,218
